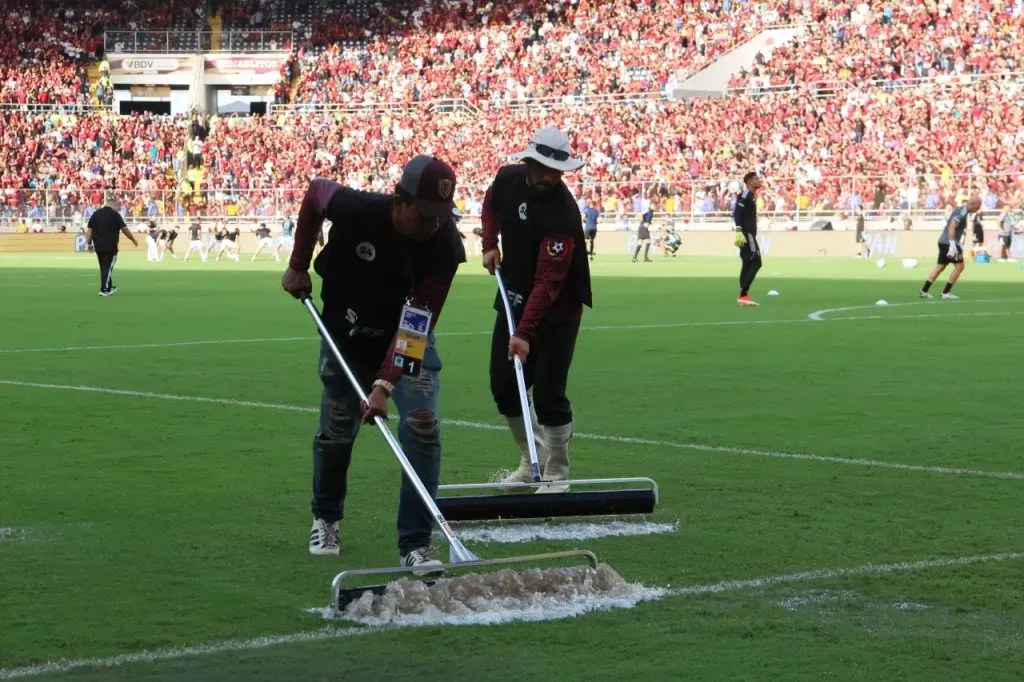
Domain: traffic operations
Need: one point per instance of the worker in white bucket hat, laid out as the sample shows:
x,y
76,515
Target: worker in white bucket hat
x,y
543,263
550,147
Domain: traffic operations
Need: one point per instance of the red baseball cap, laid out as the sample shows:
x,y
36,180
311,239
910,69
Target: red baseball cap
x,y
432,183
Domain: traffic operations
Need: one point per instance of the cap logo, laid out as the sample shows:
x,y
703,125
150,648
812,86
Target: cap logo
x,y
444,188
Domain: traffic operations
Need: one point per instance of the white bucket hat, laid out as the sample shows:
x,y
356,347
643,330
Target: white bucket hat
x,y
550,147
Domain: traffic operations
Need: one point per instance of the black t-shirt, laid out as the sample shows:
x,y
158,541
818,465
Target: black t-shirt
x,y
106,225
233,236
263,232
193,231
527,217
369,270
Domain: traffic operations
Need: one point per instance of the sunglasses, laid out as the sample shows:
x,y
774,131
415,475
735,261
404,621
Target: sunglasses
x,y
551,152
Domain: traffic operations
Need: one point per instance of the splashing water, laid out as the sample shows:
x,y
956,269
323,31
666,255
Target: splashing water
x,y
500,596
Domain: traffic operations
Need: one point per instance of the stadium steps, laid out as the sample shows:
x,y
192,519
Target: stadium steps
x,y
94,79
216,24
713,80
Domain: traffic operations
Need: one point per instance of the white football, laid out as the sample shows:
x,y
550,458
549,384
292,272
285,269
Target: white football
x,y
880,262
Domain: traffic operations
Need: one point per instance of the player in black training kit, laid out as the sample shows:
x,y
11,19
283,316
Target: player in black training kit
x,y
264,241
643,236
195,243
951,249
744,215
167,238
230,244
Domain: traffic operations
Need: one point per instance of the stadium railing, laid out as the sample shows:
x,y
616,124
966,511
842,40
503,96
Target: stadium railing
x,y
170,42
69,108
833,87
693,201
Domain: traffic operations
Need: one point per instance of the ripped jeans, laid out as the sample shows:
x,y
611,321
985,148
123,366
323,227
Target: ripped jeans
x,y
418,432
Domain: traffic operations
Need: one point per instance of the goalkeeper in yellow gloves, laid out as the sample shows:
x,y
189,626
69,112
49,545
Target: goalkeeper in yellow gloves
x,y
744,215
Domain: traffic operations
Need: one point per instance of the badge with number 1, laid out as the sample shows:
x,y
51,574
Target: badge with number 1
x,y
411,341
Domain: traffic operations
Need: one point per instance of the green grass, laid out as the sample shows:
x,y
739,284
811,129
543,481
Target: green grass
x,y
155,523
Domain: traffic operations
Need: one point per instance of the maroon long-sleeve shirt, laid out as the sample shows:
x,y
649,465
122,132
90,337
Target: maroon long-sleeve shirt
x,y
320,203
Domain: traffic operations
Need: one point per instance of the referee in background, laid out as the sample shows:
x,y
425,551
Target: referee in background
x,y
745,216
105,228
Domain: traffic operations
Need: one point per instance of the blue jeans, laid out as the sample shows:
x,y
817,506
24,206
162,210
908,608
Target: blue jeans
x,y
418,432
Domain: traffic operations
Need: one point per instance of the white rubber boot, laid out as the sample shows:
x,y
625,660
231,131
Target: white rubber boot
x,y
524,473
556,443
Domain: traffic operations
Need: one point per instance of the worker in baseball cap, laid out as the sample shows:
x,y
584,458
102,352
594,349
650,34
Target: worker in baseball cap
x,y
386,255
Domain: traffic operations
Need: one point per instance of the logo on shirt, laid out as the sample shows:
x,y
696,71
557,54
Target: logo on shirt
x,y
444,188
556,248
522,211
366,251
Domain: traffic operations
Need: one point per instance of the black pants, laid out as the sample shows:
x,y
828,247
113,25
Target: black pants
x,y
750,256
107,261
546,371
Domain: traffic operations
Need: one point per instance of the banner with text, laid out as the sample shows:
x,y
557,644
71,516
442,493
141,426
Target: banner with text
x,y
243,69
151,69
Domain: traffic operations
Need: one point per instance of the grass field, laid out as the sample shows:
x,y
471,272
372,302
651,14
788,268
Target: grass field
x,y
879,446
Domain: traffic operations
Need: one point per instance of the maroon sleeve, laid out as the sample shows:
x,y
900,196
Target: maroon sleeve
x,y
429,295
489,219
311,220
553,263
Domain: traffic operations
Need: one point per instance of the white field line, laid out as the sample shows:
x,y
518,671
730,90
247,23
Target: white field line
x,y
812,317
819,315
174,344
225,647
232,646
699,447
832,573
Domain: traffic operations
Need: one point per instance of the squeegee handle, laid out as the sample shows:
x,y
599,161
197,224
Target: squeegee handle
x,y
410,473
524,402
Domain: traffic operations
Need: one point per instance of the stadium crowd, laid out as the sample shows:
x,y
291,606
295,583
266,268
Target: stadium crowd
x,y
918,147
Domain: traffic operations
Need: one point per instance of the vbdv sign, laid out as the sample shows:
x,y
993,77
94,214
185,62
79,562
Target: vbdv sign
x,y
144,64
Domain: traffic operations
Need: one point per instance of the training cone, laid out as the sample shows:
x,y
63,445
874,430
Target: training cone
x,y
773,293
882,302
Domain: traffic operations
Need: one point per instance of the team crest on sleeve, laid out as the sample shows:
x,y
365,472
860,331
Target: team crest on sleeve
x,y
556,248
366,251
444,188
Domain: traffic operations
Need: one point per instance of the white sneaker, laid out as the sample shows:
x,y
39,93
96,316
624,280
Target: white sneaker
x,y
924,294
951,297
323,538
421,558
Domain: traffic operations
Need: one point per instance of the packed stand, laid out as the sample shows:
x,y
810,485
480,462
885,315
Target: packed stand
x,y
869,147
412,51
881,41
55,165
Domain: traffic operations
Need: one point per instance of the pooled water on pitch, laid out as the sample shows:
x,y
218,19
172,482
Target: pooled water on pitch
x,y
499,597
